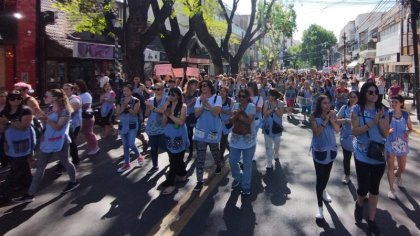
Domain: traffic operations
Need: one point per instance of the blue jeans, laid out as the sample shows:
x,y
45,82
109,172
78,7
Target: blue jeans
x,y
129,141
156,142
234,158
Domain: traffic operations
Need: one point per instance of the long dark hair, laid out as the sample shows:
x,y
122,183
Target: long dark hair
x,y
318,107
254,87
246,92
82,86
355,93
13,94
178,107
362,97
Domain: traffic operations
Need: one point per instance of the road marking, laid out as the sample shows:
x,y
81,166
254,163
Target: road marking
x,y
179,216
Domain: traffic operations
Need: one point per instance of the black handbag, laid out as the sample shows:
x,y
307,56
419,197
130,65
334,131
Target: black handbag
x,y
276,128
376,151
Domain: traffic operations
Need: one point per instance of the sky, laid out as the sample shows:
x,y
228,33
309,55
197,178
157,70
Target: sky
x,y
330,14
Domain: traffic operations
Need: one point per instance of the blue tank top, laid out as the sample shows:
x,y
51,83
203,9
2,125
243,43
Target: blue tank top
x,y
396,143
361,142
268,120
53,140
154,124
346,138
127,121
19,143
324,146
225,117
176,137
209,127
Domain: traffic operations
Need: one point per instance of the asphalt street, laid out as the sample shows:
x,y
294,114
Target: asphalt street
x,y
283,201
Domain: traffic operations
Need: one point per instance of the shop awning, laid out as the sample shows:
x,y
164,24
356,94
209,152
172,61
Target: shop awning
x,y
352,64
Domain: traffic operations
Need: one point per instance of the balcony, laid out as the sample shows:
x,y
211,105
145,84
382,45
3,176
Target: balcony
x,y
367,50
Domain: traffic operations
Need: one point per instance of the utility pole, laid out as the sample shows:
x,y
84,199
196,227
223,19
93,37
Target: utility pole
x,y
344,39
415,8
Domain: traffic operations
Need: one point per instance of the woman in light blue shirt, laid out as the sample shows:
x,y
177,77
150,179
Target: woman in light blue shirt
x,y
370,126
323,148
242,145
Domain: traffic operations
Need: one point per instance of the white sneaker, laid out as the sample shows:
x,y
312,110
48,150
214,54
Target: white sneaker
x,y
391,195
320,213
326,196
269,165
94,151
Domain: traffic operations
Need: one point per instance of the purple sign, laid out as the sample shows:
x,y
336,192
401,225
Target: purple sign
x,y
93,50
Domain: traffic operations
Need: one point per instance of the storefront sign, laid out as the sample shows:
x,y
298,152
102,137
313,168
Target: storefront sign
x,y
163,69
192,71
150,55
93,50
178,72
387,58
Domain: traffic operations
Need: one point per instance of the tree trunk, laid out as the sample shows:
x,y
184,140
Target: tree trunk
x,y
197,22
273,64
234,67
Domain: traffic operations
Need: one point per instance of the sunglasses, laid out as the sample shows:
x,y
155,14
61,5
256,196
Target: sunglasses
x,y
15,98
156,89
242,96
372,92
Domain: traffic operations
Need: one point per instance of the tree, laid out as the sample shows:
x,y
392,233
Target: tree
x,y
295,55
253,33
315,41
96,16
282,24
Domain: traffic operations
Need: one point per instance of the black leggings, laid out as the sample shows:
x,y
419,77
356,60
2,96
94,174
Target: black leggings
x,y
190,131
322,176
346,161
368,177
176,167
223,145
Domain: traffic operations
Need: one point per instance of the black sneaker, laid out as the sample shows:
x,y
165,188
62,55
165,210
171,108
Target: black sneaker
x,y
358,213
153,170
71,186
218,170
198,187
24,198
373,228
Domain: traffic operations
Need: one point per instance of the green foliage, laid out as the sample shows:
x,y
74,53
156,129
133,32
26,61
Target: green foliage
x,y
86,15
316,41
210,10
281,25
295,55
